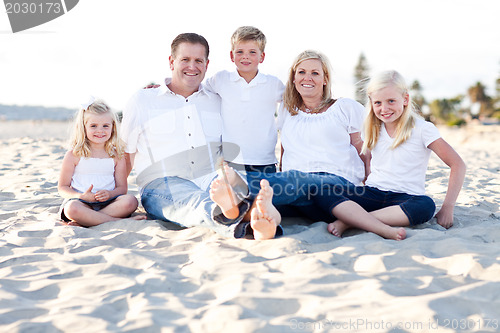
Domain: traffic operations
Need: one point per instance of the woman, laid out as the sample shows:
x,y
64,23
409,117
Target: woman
x,y
319,133
320,139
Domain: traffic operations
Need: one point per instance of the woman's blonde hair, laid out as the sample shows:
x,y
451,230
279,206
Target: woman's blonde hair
x,y
372,124
80,143
291,97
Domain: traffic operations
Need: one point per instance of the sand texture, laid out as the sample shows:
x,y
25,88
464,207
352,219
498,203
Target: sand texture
x,y
150,276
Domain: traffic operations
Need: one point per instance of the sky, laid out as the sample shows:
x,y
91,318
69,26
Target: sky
x,y
111,48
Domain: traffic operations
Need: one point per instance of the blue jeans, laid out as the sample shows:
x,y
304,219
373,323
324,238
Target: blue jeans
x,y
297,189
268,168
418,208
182,202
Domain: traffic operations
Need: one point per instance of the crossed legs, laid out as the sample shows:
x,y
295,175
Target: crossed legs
x,y
81,214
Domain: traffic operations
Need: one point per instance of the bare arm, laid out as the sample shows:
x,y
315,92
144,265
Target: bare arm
x,y
457,174
357,142
281,159
129,162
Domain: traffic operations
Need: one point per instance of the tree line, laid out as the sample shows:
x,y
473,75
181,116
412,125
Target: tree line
x,y
475,103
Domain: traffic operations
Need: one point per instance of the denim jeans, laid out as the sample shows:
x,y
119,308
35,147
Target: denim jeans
x,y
268,168
297,189
182,202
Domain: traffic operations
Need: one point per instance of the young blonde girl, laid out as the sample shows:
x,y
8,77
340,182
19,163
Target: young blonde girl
x,y
93,179
401,143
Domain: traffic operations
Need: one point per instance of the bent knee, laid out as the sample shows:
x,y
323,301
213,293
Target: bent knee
x,y
74,209
129,202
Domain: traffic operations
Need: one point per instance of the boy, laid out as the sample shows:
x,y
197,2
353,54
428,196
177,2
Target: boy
x,y
249,101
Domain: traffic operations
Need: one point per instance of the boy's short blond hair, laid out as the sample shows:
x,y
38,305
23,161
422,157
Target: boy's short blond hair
x,y
248,33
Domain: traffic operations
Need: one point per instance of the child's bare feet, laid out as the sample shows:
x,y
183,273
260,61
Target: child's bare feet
x,y
264,218
337,228
223,195
400,234
395,233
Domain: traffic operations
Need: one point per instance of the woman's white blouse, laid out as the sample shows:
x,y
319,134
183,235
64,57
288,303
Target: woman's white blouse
x,y
321,142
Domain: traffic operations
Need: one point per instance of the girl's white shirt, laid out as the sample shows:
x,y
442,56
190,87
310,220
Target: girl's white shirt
x,y
99,172
403,169
320,142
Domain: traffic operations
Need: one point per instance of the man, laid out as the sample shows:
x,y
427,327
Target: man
x,y
173,135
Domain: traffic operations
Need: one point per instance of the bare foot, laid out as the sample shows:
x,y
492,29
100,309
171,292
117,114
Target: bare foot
x,y
264,218
400,234
395,233
233,178
75,224
139,217
337,228
223,195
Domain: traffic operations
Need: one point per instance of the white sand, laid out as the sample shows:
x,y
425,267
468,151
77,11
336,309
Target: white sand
x,y
144,276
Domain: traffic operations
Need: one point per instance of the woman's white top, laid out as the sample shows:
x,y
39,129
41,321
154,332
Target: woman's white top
x,y
99,172
402,169
321,142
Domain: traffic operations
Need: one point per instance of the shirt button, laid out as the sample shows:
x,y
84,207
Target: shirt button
x,y
189,134
192,162
192,147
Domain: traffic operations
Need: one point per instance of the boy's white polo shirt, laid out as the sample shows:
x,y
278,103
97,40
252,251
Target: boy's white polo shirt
x,y
248,114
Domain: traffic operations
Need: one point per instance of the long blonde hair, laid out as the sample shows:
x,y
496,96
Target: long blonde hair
x,y
372,124
79,142
291,97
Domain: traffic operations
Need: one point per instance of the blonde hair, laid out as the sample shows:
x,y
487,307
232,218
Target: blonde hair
x,y
79,142
248,33
405,123
291,97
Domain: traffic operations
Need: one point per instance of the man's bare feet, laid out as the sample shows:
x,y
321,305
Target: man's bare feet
x,y
337,228
264,217
223,195
233,178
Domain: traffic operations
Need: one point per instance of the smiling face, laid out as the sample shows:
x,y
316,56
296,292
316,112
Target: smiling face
x,y
98,128
247,56
388,104
188,68
309,79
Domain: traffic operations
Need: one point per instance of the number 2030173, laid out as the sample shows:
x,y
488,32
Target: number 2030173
x,y
33,8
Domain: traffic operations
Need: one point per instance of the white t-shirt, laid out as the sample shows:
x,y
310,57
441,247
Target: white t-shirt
x,y
248,114
402,169
321,142
172,132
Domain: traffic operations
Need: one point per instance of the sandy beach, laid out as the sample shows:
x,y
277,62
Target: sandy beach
x,y
151,276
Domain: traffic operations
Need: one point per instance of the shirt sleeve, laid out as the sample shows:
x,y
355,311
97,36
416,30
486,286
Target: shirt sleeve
x,y
280,89
282,113
130,128
211,84
354,113
429,133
